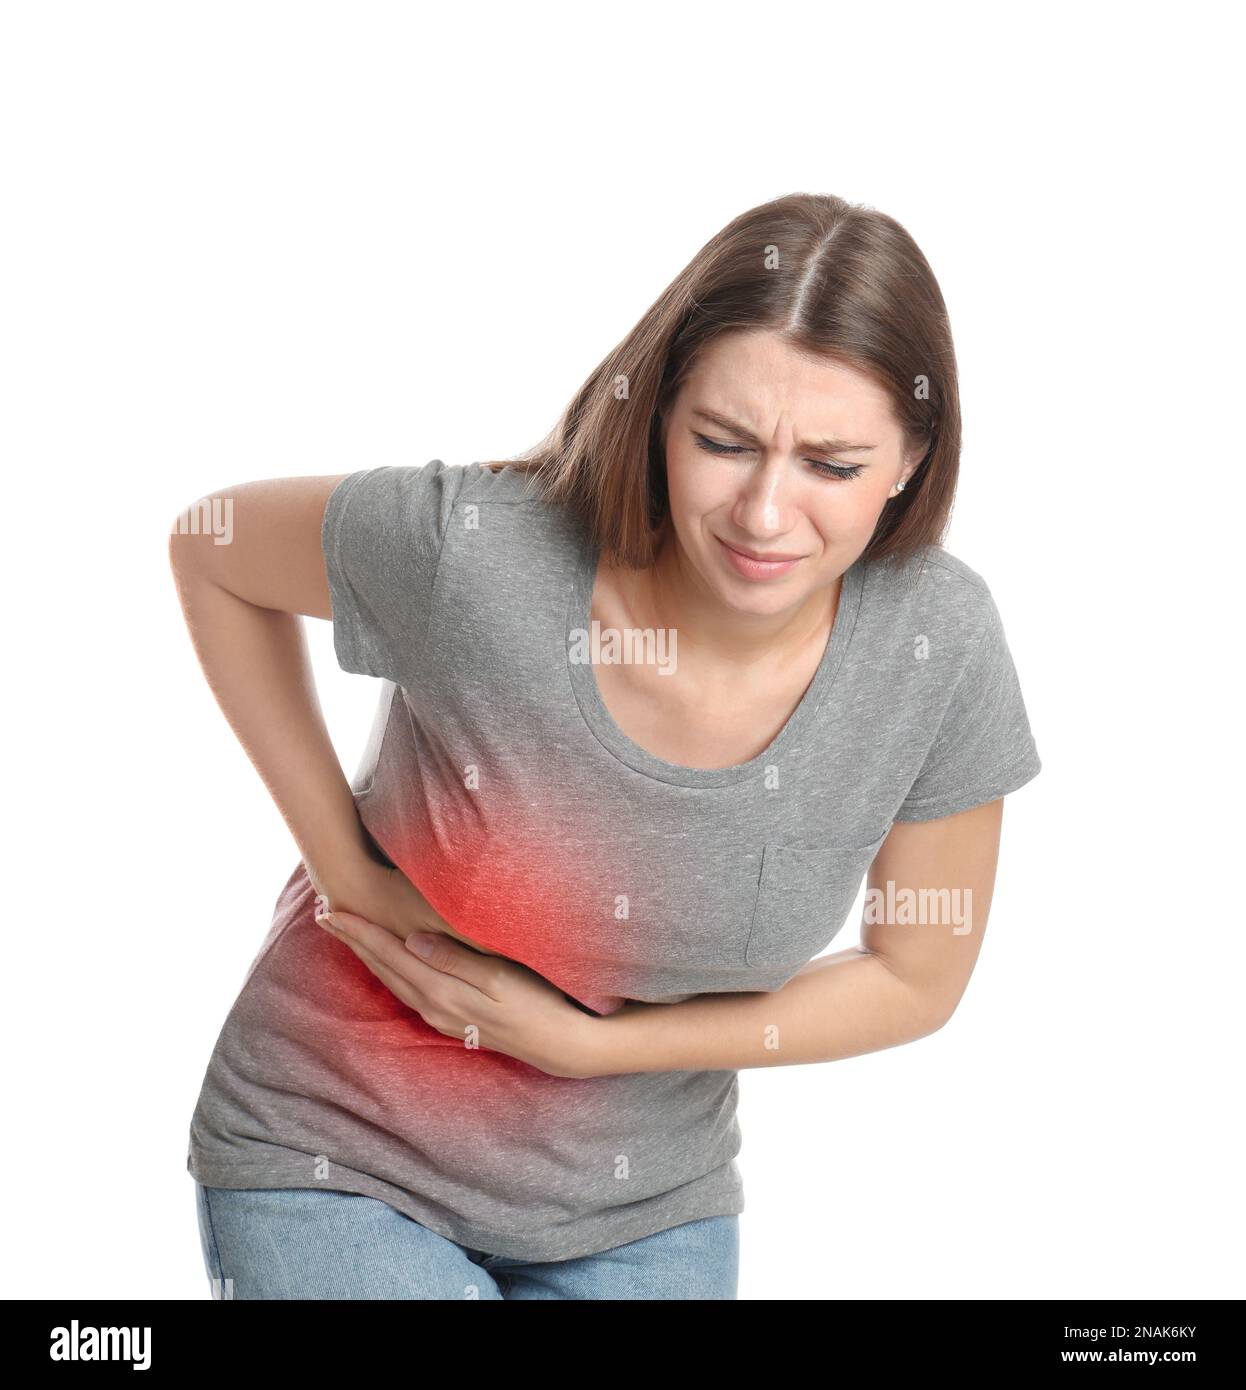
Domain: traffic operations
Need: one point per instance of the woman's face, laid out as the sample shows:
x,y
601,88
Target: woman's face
x,y
771,454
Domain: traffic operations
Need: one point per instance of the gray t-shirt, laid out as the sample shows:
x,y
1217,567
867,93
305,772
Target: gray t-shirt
x,y
496,779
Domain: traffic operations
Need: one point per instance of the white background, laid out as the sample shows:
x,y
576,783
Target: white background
x,y
252,240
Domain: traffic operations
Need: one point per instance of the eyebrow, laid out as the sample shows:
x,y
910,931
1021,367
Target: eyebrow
x,y
828,446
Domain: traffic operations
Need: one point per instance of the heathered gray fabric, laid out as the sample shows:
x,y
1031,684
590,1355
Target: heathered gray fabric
x,y
497,781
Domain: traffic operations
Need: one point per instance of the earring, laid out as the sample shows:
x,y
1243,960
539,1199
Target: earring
x,y
899,487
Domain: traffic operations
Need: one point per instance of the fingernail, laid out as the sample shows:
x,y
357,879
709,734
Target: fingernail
x,y
420,943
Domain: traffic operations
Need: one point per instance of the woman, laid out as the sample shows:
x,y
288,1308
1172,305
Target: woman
x,y
654,698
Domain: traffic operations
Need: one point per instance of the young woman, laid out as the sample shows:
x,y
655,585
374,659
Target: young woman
x,y
654,698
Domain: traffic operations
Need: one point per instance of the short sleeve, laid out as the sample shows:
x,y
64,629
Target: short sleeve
x,y
984,748
382,535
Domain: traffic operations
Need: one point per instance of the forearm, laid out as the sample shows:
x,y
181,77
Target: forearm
x,y
840,1005
256,663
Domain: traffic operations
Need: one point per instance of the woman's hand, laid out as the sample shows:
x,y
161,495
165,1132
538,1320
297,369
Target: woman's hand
x,y
484,1000
382,895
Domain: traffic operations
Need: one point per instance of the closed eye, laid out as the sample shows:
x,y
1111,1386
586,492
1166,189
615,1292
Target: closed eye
x,y
822,466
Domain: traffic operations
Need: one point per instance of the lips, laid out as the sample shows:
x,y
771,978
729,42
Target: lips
x,y
750,565
769,557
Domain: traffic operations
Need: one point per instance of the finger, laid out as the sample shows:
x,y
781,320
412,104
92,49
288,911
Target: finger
x,y
445,955
481,973
398,985
381,952
382,942
405,991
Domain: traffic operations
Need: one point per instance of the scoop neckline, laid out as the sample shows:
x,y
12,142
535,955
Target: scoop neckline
x,y
601,723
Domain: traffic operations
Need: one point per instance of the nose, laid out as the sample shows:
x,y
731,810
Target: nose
x,y
763,507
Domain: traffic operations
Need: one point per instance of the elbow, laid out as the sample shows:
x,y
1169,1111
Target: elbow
x,y
175,550
922,1005
205,522
181,533
930,1013
930,1022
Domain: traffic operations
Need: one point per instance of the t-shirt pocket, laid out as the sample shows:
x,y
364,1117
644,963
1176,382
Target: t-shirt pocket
x,y
803,899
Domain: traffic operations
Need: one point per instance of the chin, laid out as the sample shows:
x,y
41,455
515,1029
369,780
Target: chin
x,y
758,599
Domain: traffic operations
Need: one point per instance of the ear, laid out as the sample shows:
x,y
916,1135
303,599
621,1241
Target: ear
x,y
914,456
911,462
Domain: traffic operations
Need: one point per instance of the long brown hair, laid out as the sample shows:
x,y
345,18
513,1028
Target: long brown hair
x,y
837,280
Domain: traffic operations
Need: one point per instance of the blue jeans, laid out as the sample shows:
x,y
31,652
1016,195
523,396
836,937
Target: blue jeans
x,y
296,1243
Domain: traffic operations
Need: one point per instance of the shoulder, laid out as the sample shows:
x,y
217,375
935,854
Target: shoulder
x,y
933,578
495,526
419,500
508,505
488,485
460,481
948,569
932,594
